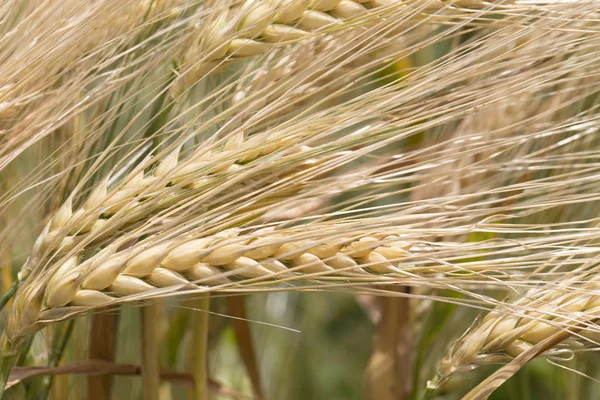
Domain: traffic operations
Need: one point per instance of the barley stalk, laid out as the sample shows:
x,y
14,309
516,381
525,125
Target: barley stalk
x,y
7,361
148,349
197,359
102,346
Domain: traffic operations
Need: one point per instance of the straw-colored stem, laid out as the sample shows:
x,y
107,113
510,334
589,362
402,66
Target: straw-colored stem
x,y
40,388
150,367
102,342
198,347
389,372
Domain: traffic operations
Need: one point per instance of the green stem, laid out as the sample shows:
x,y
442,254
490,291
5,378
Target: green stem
x,y
59,344
8,356
430,390
9,294
6,364
198,349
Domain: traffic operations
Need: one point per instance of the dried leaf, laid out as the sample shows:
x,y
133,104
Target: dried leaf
x,y
100,367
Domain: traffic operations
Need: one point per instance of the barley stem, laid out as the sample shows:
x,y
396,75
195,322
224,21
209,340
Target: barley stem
x,y
430,389
9,294
388,374
243,338
198,347
8,357
150,367
6,364
40,387
102,344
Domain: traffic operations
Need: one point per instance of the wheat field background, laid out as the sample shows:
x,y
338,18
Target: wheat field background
x,y
299,199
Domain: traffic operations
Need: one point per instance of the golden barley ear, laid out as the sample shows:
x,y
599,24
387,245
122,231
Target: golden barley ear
x,y
566,308
251,28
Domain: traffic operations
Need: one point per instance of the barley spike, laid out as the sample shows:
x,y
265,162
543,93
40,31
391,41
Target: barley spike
x,y
221,259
